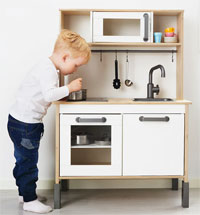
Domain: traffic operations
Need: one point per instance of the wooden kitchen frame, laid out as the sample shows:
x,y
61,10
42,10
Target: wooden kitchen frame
x,y
177,14
179,100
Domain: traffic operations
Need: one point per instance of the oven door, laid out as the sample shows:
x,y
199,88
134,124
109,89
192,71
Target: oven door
x,y
122,27
90,145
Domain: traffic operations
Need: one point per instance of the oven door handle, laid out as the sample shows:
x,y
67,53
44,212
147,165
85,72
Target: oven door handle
x,y
102,119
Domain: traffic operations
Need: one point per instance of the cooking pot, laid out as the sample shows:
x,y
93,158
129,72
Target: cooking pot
x,y
81,139
78,95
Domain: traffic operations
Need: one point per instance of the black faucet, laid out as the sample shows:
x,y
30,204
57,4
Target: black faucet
x,y
150,87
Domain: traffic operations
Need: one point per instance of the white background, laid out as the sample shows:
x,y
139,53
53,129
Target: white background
x,y
28,32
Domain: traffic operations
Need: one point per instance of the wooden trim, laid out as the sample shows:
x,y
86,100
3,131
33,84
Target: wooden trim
x,y
120,101
61,20
62,26
137,44
57,146
87,11
179,63
186,143
122,177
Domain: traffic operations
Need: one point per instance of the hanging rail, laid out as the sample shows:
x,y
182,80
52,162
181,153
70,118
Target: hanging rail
x,y
134,51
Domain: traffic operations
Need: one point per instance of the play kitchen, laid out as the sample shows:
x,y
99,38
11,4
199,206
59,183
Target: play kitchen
x,y
121,126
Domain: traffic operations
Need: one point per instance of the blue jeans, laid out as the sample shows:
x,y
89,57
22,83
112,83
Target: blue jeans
x,y
26,139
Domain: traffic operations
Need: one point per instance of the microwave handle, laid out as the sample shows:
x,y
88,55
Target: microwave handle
x,y
146,27
102,119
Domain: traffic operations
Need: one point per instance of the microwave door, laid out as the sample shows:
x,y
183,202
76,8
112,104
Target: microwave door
x,y
122,27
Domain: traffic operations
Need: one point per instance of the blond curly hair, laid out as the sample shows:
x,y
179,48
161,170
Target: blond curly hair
x,y
73,42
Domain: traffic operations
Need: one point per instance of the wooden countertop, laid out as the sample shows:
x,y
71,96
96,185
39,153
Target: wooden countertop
x,y
119,101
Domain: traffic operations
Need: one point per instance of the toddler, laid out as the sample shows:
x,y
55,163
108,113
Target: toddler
x,y
37,91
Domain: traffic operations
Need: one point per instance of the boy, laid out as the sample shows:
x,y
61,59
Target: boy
x,y
35,95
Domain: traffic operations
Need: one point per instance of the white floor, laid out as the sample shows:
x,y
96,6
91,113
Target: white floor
x,y
109,202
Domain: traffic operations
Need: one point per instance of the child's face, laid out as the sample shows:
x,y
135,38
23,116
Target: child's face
x,y
69,65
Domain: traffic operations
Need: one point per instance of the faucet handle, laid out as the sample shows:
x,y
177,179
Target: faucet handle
x,y
157,89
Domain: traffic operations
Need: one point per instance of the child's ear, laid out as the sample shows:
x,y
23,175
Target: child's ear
x,y
66,56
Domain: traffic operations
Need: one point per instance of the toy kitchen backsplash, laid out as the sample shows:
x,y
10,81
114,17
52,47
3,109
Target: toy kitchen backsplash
x,y
99,73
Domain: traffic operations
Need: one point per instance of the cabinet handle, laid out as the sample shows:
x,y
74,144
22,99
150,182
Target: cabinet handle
x,y
146,27
102,119
154,119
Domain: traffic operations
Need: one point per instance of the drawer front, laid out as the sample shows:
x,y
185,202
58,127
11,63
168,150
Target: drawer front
x,y
153,144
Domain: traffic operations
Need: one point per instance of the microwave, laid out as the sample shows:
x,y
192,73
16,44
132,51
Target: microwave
x,y
121,26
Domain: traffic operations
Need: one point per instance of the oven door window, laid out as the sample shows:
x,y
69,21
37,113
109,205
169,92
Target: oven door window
x,y
91,145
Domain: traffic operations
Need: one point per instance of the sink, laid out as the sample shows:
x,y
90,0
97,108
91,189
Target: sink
x,y
153,100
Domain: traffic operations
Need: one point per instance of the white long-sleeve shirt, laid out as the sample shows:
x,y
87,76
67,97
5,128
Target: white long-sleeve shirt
x,y
37,91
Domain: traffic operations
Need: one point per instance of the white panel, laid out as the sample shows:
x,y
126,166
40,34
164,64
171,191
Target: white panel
x,y
97,28
65,144
66,169
151,28
153,148
91,27
117,108
67,119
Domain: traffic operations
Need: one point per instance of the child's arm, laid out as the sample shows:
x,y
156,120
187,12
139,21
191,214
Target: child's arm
x,y
52,93
75,85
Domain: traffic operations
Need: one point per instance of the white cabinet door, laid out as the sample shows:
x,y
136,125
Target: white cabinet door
x,y
153,144
90,159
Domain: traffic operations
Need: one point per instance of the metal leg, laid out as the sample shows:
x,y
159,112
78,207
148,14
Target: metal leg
x,y
185,194
57,196
174,183
64,185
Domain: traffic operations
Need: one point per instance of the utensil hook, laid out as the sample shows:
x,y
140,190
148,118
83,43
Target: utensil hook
x,y
101,56
115,54
172,55
127,56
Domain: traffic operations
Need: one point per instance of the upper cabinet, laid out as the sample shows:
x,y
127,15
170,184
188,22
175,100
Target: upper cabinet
x,y
123,27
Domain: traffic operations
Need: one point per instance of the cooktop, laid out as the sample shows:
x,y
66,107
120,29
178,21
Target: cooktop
x,y
92,99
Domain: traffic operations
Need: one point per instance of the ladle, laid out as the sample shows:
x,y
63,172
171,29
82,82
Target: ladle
x,y
128,82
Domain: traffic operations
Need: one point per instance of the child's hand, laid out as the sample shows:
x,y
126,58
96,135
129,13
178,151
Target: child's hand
x,y
75,85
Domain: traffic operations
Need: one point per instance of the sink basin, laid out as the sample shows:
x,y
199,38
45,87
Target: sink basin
x,y
152,100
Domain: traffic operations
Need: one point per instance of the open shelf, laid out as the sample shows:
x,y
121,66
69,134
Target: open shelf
x,y
80,22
